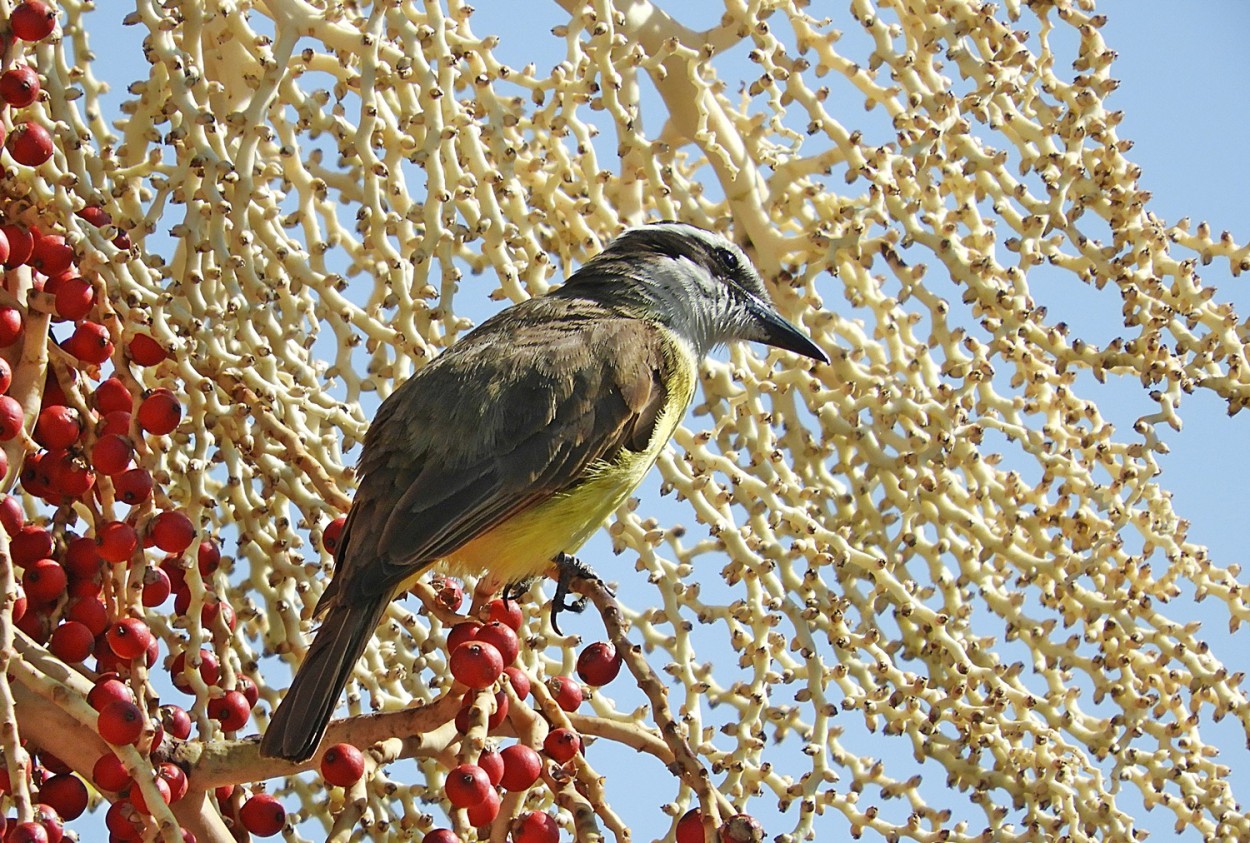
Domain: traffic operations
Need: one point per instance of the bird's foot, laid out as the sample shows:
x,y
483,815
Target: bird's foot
x,y
514,591
569,567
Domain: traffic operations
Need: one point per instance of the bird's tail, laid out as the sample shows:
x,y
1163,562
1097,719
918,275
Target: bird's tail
x,y
301,718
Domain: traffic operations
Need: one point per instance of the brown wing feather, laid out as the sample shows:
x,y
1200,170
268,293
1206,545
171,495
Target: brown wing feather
x,y
509,416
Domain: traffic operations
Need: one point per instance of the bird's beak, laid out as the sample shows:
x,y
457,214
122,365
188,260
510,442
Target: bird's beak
x,y
776,331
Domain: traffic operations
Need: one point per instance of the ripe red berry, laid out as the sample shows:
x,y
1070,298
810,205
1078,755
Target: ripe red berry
x,y
6,375
176,721
562,744
520,681
117,541
263,815
90,343
467,785
441,835
507,612
112,396
476,664
172,531
460,633
50,254
27,832
120,722
492,762
331,534
484,812
11,324
160,412
208,557
31,542
91,613
109,773
82,559
129,638
133,486
535,827
68,473
156,587
19,86
30,145
10,417
44,581
210,670
599,663
4,246
33,20
232,710
95,215
342,765
112,454
140,801
108,689
690,827
175,777
74,298
57,427
72,642
67,795
504,639
521,767
493,719
567,693
146,351
123,821
21,244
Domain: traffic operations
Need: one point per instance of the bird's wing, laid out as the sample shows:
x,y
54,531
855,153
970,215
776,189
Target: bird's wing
x,y
511,415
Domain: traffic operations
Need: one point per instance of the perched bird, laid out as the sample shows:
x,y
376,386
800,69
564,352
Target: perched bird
x,y
510,448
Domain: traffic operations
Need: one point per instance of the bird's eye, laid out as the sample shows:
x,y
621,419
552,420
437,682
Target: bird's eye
x,y
726,259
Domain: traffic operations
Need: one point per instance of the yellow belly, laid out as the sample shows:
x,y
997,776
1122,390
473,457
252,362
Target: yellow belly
x,y
524,545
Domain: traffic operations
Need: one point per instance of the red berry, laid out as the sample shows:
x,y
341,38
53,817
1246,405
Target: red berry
x,y
535,827
146,351
113,396
175,777
27,832
57,427
30,145
95,215
567,693
172,531
117,541
208,557
90,343
599,663
33,20
263,815
4,246
467,785
156,587
11,324
129,638
521,767
31,543
123,821
503,637
210,670
108,689
332,533
506,612
68,474
460,633
21,244
232,710
6,375
492,721
91,613
19,86
491,761
74,298
562,744
160,412
440,835
72,642
10,417
133,486
176,721
111,454
50,254
690,827
44,581
520,681
109,773
484,812
82,558
342,765
476,664
67,795
120,722
140,801
116,423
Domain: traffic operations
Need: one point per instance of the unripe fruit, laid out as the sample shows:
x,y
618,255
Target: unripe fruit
x,y
599,663
19,86
263,815
535,827
467,785
160,412
342,765
567,693
121,722
129,638
562,745
521,767
29,144
33,20
475,663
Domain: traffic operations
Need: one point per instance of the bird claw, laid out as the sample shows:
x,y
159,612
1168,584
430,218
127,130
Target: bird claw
x,y
569,567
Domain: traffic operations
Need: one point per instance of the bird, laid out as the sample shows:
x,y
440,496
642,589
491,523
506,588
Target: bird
x,y
508,450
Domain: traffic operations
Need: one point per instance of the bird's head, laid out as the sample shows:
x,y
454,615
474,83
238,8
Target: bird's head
x,y
695,282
